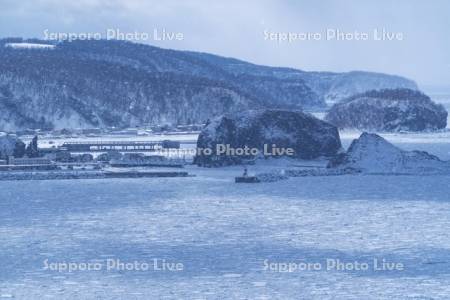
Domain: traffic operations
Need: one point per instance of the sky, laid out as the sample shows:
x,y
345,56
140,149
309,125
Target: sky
x,y
416,43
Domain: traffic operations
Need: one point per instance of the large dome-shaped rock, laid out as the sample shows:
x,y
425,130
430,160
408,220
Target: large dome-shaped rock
x,y
306,135
372,154
389,110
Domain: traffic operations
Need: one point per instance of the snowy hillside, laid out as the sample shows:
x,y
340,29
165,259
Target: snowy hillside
x,y
351,83
330,87
112,83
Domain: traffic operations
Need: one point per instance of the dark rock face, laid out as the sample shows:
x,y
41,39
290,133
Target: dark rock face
x,y
372,154
308,136
389,110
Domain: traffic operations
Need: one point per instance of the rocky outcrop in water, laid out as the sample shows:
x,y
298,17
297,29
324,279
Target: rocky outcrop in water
x,y
307,136
390,110
372,154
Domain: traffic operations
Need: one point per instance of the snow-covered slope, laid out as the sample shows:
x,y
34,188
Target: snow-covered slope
x,y
114,83
351,83
329,86
372,154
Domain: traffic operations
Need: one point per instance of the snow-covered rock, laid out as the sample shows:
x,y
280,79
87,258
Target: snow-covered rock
x,y
306,135
11,146
372,154
388,110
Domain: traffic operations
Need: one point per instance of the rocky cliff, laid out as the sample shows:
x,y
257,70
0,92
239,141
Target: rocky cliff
x,y
388,110
266,130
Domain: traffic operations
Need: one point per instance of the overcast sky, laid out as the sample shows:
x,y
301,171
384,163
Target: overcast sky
x,y
236,29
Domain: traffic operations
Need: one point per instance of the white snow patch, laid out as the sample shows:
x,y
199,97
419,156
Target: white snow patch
x,y
29,46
